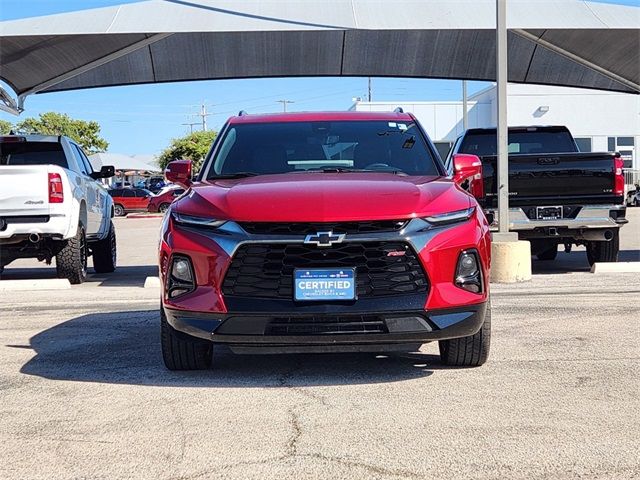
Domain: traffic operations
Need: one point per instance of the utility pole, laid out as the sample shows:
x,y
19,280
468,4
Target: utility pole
x,y
369,89
284,104
191,124
465,120
203,114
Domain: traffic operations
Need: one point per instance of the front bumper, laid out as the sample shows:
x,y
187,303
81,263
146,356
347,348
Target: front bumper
x,y
329,332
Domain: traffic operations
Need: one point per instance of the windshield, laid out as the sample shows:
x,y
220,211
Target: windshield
x,y
268,148
532,142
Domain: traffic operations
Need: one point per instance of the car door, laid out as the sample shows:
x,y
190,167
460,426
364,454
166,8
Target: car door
x,y
92,196
128,199
142,199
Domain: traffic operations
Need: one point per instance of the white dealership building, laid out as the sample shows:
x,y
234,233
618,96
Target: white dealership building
x,y
599,120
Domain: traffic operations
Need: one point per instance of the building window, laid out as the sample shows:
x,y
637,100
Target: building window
x,y
443,148
584,144
625,141
611,144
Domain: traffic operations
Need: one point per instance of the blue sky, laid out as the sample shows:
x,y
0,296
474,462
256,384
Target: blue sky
x,y
143,119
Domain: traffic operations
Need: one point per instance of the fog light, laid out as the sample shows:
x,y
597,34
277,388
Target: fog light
x,y
181,279
468,272
182,270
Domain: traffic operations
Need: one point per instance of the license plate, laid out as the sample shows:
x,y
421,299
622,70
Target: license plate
x,y
324,284
549,213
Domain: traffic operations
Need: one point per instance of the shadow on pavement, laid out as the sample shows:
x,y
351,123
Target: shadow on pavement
x,y
576,261
124,348
130,276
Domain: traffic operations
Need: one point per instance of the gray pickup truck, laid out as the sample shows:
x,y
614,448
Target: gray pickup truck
x,y
557,194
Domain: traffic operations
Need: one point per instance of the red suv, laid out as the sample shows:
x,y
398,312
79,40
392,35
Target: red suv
x,y
126,200
164,198
325,232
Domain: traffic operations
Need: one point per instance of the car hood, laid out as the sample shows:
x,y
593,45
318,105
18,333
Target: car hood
x,y
323,197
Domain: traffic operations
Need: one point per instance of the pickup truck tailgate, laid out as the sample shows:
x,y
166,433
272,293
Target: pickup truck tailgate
x,y
24,190
557,178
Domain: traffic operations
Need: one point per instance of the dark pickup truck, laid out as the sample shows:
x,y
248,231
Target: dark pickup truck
x,y
557,194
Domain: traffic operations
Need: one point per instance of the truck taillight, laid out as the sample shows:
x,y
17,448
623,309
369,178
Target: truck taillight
x,y
56,193
618,188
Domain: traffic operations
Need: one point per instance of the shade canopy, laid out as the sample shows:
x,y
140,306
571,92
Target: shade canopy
x,y
553,42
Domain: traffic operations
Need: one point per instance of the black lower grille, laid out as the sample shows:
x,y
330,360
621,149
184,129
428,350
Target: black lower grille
x,y
326,325
382,268
309,228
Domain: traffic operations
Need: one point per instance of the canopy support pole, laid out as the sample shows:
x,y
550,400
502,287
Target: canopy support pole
x,y
501,118
577,59
90,66
7,103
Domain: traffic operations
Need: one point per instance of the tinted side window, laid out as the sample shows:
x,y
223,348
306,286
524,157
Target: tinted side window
x,y
114,193
127,192
85,163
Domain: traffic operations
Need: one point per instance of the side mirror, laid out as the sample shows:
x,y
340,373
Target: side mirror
x,y
105,172
468,168
179,171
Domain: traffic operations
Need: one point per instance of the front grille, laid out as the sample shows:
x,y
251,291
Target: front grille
x,y
326,325
306,228
265,270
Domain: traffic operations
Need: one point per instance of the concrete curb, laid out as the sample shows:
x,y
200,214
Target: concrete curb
x,y
145,215
618,267
152,282
33,285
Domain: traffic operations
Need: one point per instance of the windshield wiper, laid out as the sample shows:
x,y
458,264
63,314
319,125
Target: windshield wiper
x,y
234,175
331,170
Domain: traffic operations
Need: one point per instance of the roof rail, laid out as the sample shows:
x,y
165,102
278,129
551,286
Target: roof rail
x,y
398,110
242,113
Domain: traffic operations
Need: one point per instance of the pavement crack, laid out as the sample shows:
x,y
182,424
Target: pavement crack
x,y
292,444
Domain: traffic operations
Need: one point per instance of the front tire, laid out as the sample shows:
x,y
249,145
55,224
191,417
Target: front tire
x,y
105,252
604,251
471,351
118,210
181,351
71,261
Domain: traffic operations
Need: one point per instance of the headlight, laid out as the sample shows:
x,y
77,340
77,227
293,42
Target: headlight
x,y
451,217
196,221
468,272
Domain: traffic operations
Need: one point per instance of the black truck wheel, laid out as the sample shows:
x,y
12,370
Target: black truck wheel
x,y
604,251
471,351
105,252
71,261
549,254
182,352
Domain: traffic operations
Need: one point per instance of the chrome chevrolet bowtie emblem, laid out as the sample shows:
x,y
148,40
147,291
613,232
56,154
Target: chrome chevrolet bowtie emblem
x,y
324,239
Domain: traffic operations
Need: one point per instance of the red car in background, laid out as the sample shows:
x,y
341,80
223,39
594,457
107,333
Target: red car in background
x,y
161,201
127,200
325,232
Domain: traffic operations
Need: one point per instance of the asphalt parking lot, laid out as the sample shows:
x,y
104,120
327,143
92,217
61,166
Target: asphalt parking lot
x,y
84,393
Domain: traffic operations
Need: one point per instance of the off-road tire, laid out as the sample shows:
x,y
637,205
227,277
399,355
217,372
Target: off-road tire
x,y
164,207
549,254
118,210
471,351
604,251
181,351
105,252
71,261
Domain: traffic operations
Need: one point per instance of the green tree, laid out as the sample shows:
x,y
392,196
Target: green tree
x,y
85,133
5,127
192,147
